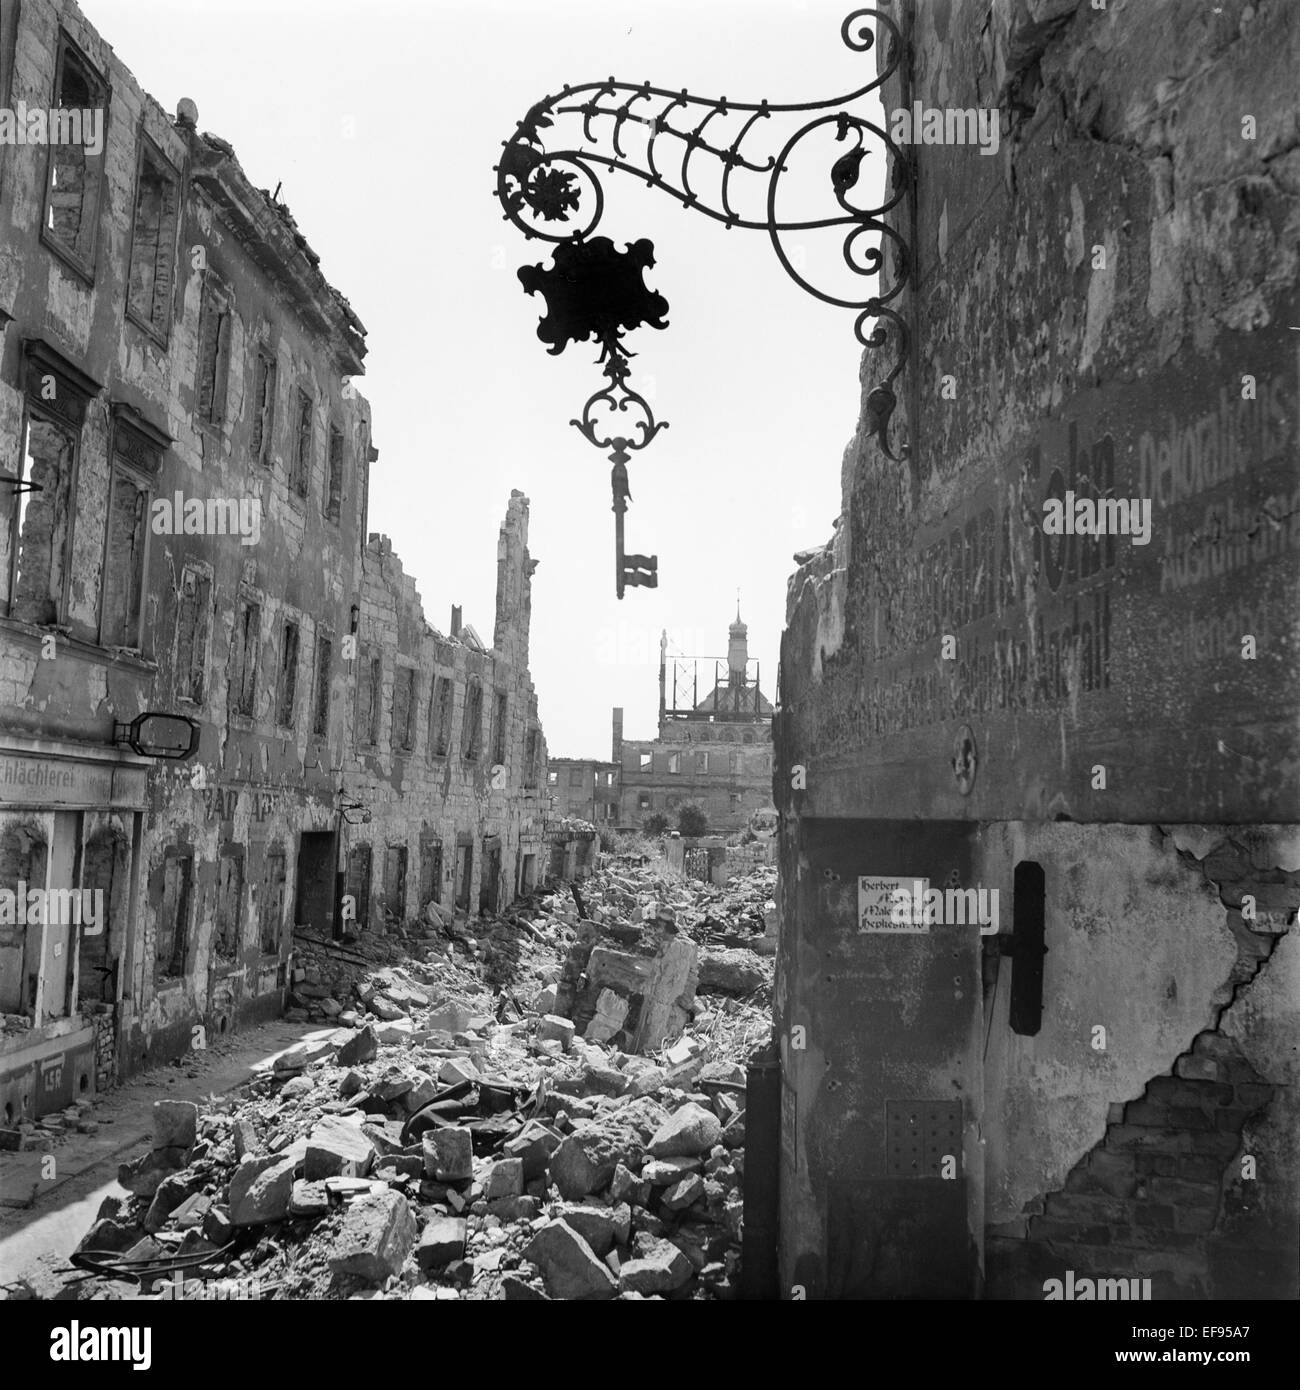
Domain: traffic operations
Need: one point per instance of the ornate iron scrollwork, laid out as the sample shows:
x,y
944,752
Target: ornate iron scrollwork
x,y
555,194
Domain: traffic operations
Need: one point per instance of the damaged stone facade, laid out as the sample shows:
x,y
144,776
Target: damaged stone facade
x,y
176,383
1108,1076
584,787
450,759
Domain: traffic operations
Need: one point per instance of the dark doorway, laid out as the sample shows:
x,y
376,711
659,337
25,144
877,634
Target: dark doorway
x,y
314,902
357,885
489,884
395,883
464,875
430,870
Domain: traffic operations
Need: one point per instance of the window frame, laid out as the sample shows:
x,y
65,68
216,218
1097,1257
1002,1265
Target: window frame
x,y
203,576
283,675
147,148
84,268
332,500
404,738
471,733
215,292
304,443
236,709
321,670
263,456
137,456
34,410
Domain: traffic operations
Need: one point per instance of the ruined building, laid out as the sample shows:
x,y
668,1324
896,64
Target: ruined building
x,y
1099,1079
587,788
183,478
714,744
447,755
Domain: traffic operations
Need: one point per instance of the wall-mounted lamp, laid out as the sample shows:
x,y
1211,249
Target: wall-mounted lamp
x,y
353,812
595,292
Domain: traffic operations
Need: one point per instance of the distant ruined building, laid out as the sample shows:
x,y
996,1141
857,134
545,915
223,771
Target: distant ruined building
x,y
714,744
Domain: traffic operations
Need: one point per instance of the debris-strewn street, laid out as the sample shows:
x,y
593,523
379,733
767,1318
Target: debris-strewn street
x,y
479,1124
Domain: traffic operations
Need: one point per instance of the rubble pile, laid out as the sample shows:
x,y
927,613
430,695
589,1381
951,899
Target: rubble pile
x,y
574,1129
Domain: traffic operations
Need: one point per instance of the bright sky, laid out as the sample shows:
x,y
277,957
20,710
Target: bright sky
x,y
383,122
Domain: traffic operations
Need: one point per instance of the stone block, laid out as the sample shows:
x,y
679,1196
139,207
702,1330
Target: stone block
x,y
553,1028
260,1190
505,1178
448,1154
568,1265
362,1046
337,1148
690,1130
376,1236
662,1269
175,1124
308,1199
442,1241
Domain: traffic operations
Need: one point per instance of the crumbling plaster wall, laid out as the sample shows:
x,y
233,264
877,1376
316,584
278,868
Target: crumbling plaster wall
x,y
1120,129
1135,946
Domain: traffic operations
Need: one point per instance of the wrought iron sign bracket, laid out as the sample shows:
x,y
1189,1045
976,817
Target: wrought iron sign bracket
x,y
549,188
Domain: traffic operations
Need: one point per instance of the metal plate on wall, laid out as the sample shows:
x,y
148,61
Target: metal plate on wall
x,y
919,1134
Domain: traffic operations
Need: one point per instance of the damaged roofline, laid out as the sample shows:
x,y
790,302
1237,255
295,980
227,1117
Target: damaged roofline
x,y
277,248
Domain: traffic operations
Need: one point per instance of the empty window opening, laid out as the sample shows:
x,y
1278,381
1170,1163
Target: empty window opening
x,y
103,869
302,444
214,351
193,616
243,659
259,443
334,480
174,915
271,914
37,536
472,733
404,708
531,746
440,717
153,243
499,727
76,175
229,915
23,858
321,714
369,690
124,560
287,686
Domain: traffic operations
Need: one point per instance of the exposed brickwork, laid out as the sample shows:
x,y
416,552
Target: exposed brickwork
x,y
1163,1194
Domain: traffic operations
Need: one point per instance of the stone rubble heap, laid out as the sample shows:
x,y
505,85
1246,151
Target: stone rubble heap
x,y
447,1140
